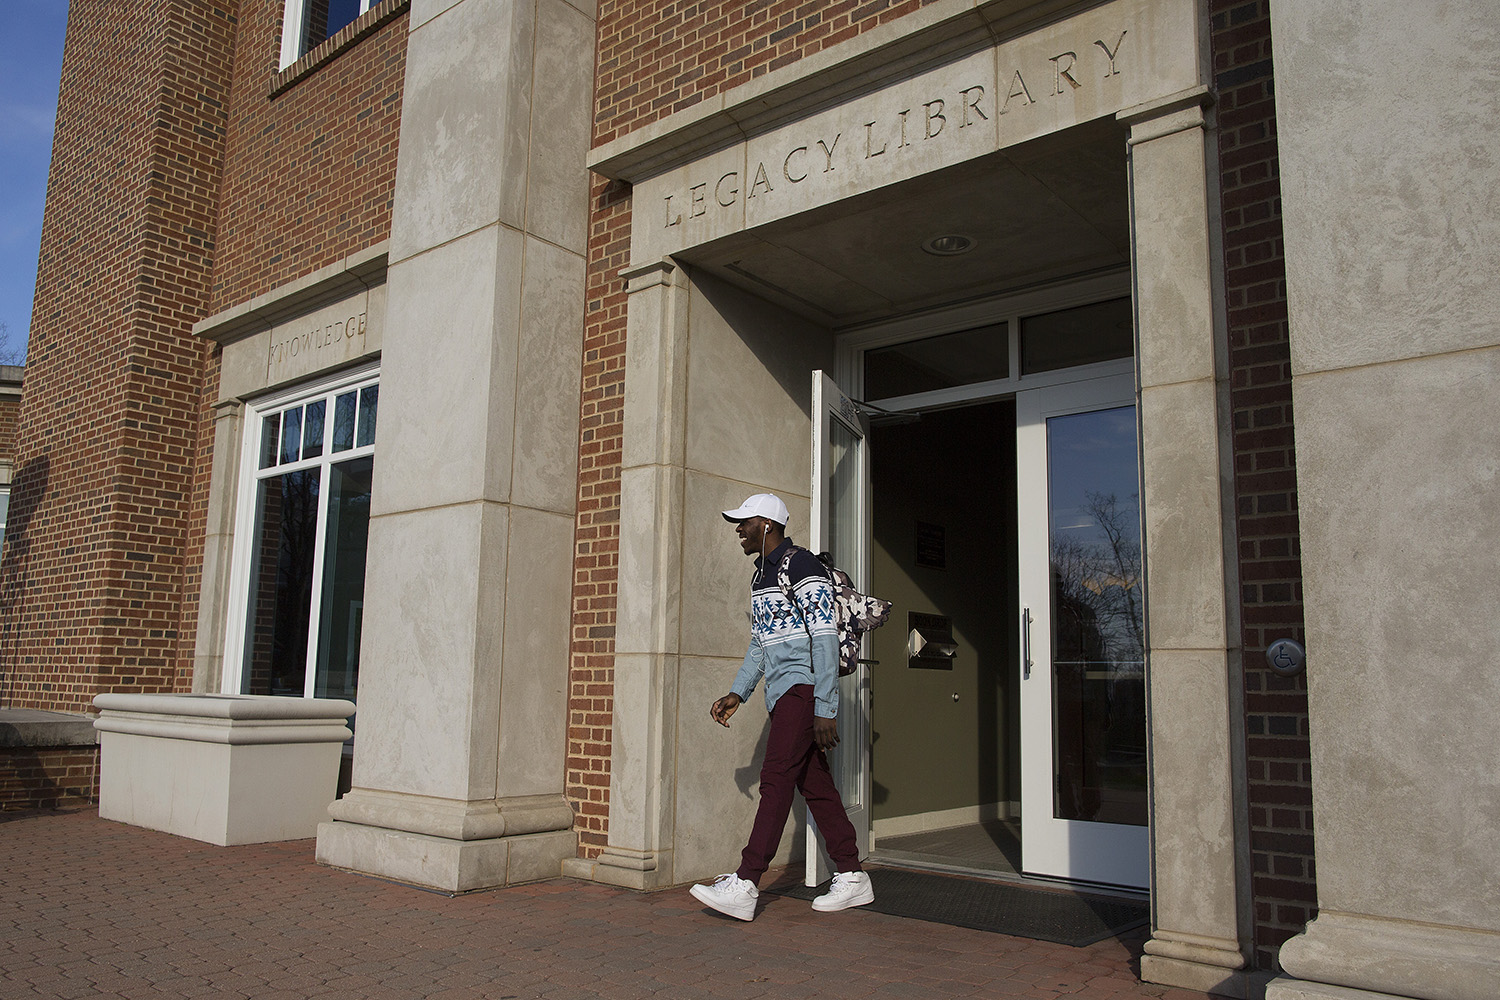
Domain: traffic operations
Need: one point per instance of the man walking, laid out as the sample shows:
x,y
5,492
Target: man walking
x,y
794,645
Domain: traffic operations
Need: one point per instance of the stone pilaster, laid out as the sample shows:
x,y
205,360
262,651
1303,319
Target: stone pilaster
x,y
458,772
1200,871
1395,373
647,633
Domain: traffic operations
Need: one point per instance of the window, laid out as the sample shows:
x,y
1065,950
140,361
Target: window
x,y
306,23
304,523
4,510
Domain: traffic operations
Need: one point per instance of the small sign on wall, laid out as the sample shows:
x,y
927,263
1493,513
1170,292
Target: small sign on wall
x,y
932,546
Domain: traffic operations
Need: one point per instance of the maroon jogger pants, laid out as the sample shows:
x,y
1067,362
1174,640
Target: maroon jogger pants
x,y
793,761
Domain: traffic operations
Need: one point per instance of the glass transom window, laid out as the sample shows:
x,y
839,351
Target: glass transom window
x,y
300,547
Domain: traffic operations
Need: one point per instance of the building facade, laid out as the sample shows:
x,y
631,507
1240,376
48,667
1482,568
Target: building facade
x,y
405,351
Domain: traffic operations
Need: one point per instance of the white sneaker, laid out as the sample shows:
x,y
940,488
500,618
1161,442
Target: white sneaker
x,y
848,889
730,895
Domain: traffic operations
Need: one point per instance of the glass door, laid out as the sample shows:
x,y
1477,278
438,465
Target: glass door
x,y
1083,718
839,524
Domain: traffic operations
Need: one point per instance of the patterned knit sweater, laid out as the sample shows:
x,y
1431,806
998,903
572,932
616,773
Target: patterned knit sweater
x,y
789,644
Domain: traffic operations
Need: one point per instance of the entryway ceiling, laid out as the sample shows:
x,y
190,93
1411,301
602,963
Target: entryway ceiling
x,y
1038,212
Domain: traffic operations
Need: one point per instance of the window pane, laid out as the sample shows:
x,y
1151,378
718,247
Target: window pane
x,y
962,358
1098,649
269,436
291,435
281,584
369,398
845,477
324,18
312,429
346,536
1081,336
343,421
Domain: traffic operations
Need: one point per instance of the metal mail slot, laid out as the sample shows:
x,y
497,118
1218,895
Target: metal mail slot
x,y
929,641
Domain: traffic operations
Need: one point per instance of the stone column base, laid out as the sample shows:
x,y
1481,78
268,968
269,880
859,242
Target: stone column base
x,y
1195,976
643,870
1196,962
441,863
1282,988
1371,957
449,844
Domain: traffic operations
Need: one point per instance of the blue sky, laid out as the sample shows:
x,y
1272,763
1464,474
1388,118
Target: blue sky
x,y
31,44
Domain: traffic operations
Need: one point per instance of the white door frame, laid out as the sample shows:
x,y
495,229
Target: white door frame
x,y
849,366
1077,850
833,412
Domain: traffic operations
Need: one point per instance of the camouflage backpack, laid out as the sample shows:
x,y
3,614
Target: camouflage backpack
x,y
854,613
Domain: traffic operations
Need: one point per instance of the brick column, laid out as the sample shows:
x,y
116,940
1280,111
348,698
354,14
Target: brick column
x,y
96,568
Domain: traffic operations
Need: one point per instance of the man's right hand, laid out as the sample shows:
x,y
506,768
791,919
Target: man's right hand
x,y
724,708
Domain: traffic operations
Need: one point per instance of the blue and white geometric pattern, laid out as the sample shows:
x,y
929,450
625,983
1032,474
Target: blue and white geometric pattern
x,y
775,621
782,650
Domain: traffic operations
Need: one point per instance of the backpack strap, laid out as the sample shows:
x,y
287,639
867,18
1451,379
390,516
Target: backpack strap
x,y
784,581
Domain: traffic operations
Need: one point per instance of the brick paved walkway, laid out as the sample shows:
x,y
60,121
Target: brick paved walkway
x,y
93,908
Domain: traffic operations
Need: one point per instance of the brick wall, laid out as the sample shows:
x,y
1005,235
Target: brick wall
x,y
10,408
309,176
1280,790
309,172
95,564
199,195
597,536
656,57
48,777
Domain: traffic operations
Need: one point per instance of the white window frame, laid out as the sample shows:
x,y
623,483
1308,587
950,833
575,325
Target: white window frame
x,y
242,560
292,19
852,343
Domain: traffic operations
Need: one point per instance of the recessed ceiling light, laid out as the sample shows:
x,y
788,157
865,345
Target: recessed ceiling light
x,y
950,245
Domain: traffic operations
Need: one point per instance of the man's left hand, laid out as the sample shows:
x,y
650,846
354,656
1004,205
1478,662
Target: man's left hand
x,y
825,732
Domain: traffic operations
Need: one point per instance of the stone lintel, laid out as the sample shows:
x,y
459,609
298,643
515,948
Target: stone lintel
x,y
912,44
355,273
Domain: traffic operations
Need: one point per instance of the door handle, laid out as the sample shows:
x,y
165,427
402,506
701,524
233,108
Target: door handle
x,y
1025,643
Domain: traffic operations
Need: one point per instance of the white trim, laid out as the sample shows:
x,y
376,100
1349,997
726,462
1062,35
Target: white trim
x,y
1009,309
242,558
292,19
1078,850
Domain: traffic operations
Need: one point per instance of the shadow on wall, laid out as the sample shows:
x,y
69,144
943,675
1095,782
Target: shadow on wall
x,y
27,493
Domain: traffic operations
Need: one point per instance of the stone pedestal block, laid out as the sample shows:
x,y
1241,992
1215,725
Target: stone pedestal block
x,y
226,769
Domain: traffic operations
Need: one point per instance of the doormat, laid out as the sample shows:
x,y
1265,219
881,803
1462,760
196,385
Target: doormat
x,y
1059,916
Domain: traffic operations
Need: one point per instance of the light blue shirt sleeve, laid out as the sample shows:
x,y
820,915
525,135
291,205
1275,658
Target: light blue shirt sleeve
x,y
750,671
825,664
816,605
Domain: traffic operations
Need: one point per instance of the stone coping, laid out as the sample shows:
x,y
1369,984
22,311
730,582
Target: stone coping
x,y
339,280
225,718
29,727
921,40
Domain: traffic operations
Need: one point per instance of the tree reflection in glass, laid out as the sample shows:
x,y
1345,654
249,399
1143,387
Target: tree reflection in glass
x,y
1098,652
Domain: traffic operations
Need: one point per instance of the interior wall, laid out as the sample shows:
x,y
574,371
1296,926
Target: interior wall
x,y
933,752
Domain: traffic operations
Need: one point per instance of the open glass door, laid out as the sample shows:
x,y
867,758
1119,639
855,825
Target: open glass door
x,y
839,524
1083,722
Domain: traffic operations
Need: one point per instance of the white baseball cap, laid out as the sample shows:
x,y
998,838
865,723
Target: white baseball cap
x,y
766,505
